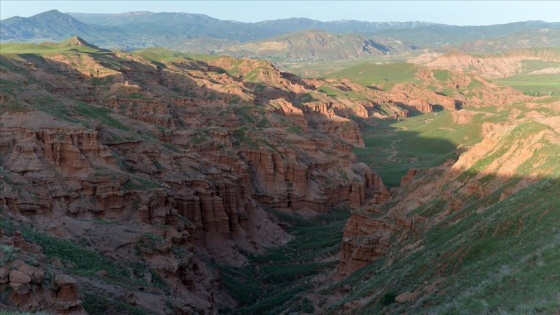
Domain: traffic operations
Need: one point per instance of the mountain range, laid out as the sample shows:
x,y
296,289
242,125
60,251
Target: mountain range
x,y
199,33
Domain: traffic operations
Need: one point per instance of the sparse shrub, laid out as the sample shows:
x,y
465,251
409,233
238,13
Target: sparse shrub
x,y
260,87
295,129
148,243
136,95
157,165
263,123
8,254
388,298
235,100
95,304
139,183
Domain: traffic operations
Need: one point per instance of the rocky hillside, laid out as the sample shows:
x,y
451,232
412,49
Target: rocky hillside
x,y
544,37
454,236
151,164
506,64
444,36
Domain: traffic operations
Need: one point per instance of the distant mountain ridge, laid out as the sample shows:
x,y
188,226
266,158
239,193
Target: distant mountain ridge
x,y
267,28
544,37
314,44
204,34
53,25
46,24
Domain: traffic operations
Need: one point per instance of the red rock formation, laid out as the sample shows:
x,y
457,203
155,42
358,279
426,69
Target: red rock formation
x,y
408,177
70,150
185,152
29,293
364,240
293,113
66,295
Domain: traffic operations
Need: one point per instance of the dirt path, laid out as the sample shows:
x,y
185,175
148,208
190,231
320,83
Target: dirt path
x,y
393,151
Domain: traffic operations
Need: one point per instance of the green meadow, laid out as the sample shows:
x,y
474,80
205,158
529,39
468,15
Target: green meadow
x,y
392,148
385,75
534,84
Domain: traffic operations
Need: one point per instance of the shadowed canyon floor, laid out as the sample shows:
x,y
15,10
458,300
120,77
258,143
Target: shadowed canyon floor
x,y
157,182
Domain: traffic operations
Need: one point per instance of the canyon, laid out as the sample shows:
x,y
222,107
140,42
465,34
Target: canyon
x,y
143,181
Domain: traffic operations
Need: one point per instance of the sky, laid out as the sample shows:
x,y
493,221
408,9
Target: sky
x,y
446,12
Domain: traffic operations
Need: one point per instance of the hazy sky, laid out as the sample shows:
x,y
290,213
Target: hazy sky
x,y
447,12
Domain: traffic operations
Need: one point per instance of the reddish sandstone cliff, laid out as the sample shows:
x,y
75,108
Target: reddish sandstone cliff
x,y
181,161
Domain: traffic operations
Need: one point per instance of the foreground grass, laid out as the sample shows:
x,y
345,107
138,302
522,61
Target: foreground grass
x,y
503,260
98,305
77,259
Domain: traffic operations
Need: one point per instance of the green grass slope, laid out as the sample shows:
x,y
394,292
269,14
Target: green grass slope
x,y
384,74
536,84
497,253
46,48
536,77
392,148
502,260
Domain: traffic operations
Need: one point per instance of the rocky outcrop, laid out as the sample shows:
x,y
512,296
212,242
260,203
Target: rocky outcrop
x,y
283,181
408,177
20,282
68,150
365,240
149,111
490,67
288,110
66,291
30,291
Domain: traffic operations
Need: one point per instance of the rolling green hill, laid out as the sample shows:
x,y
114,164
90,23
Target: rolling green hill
x,y
384,74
